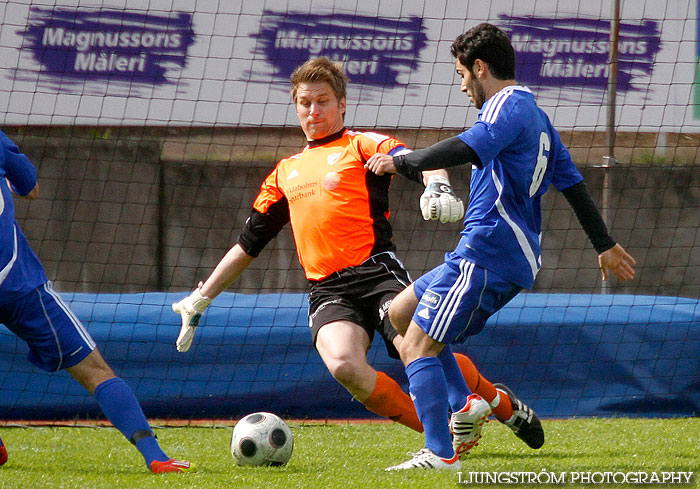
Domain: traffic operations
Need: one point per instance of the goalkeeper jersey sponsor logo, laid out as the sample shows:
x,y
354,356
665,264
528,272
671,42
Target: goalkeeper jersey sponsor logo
x,y
303,191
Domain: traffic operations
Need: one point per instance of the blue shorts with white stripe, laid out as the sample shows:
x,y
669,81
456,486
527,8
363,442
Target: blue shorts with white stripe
x,y
55,336
457,297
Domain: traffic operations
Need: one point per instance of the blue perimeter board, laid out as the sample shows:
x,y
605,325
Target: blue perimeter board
x,y
563,354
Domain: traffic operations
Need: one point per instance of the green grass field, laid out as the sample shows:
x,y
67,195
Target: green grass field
x,y
347,456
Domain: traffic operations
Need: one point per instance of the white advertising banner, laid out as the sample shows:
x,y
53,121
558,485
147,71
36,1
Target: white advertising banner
x,y
227,63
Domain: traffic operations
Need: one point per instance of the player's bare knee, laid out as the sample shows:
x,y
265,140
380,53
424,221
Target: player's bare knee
x,y
345,371
399,319
401,310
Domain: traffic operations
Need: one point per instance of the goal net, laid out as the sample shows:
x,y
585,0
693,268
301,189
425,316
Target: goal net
x,y
152,125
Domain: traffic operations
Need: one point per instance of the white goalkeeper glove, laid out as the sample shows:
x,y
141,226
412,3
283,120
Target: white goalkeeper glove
x,y
190,309
439,201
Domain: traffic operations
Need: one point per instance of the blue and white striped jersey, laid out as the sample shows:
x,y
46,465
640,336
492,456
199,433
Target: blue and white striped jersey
x,y
521,155
20,269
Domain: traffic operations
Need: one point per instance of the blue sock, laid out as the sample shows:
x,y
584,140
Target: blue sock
x,y
457,390
122,409
429,393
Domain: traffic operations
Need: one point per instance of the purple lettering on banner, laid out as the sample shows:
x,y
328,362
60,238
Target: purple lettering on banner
x,y
575,51
97,45
374,51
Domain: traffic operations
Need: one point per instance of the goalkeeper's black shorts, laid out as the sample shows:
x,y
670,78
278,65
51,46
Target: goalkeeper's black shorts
x,y
361,295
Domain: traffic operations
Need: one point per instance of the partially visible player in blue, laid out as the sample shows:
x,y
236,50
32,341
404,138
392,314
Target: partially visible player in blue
x,y
515,155
32,310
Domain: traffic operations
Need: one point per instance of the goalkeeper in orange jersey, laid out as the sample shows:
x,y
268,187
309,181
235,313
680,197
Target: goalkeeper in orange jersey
x,y
338,213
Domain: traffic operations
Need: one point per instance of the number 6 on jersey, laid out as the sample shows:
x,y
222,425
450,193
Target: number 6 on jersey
x,y
541,165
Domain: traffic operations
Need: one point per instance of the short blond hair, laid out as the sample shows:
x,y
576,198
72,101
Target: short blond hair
x,y
321,70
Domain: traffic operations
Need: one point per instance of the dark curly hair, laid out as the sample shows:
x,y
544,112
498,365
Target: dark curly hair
x,y
487,43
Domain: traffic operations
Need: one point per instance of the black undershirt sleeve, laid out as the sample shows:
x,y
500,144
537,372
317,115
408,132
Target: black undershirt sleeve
x,y
587,213
443,154
261,228
453,151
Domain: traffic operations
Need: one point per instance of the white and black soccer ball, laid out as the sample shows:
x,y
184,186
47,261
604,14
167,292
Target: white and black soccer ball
x,y
262,439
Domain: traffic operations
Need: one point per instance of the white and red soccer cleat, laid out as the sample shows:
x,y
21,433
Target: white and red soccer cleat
x,y
427,459
172,465
466,424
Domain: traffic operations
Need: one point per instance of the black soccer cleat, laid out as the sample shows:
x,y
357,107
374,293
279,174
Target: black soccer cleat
x,y
524,422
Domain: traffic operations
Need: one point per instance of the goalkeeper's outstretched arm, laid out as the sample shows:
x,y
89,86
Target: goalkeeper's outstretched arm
x,y
231,266
191,307
259,229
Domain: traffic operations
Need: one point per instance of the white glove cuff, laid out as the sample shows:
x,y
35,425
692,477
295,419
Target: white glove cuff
x,y
437,179
199,302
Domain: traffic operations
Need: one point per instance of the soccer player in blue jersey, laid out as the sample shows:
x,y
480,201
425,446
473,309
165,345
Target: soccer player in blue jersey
x,y
515,155
32,310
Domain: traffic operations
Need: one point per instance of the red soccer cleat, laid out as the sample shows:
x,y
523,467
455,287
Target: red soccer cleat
x,y
3,453
172,465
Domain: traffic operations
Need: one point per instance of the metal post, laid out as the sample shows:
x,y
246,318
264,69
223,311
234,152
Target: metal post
x,y
612,76
609,160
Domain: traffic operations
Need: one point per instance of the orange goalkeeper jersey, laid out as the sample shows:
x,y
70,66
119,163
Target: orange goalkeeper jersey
x,y
338,210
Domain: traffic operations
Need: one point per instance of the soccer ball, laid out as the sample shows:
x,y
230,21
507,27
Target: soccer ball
x,y
262,439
